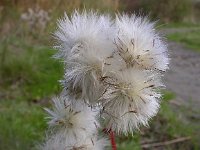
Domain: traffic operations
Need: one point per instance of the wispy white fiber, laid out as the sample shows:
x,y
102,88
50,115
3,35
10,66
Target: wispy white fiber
x,y
131,100
84,43
58,141
139,44
72,118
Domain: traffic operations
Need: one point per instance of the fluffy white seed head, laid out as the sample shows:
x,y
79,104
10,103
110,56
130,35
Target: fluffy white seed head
x,y
88,31
116,65
73,118
131,100
84,43
138,44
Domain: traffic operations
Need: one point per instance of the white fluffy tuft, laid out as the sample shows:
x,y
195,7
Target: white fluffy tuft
x,y
131,100
58,141
69,118
138,43
85,42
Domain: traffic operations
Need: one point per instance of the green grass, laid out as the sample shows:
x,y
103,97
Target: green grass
x,y
22,125
190,39
179,25
28,78
29,69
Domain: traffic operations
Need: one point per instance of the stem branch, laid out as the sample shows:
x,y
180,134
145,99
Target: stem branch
x,y
112,140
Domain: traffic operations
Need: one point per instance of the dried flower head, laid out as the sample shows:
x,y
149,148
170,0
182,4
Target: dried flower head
x,y
131,100
138,44
115,66
73,118
84,43
131,96
37,18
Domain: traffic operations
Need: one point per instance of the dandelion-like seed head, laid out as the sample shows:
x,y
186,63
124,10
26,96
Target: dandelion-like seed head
x,y
132,100
69,117
138,44
84,44
112,68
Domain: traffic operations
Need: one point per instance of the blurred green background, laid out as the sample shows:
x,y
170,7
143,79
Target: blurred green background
x,y
29,76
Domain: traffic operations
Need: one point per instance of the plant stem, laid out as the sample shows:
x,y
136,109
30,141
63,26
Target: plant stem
x,y
112,140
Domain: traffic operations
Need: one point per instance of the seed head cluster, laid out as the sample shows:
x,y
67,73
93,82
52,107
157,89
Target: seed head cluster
x,y
113,70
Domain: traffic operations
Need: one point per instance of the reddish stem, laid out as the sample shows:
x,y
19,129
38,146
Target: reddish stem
x,y
112,140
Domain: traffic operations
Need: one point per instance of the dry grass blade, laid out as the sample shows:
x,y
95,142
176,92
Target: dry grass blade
x,y
165,143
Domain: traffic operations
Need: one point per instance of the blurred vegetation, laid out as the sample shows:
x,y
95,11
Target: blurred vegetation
x,y
168,11
28,79
189,38
29,76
